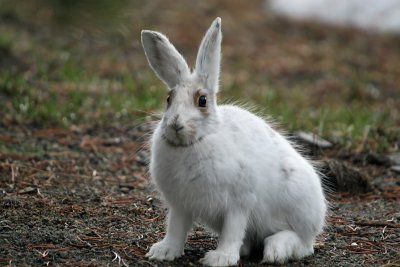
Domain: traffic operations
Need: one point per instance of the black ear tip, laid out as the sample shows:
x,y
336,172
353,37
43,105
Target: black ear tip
x,y
217,22
152,35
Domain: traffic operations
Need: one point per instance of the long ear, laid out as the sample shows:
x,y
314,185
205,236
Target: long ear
x,y
209,56
164,59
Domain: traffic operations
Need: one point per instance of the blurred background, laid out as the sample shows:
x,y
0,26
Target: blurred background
x,y
70,62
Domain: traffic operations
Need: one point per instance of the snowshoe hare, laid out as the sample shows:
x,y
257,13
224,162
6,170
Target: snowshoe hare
x,y
226,167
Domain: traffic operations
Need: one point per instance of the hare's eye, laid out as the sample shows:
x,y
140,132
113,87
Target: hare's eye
x,y
202,101
168,99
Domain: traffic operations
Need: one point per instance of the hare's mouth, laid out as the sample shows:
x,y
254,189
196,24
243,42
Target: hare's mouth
x,y
177,141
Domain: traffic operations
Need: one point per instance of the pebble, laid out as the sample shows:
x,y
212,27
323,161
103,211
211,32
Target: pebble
x,y
395,168
313,139
143,157
28,190
395,158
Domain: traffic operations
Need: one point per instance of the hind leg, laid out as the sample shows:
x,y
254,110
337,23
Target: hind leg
x,y
285,245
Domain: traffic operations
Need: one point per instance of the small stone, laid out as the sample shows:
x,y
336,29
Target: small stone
x,y
112,141
124,190
395,158
143,157
319,244
313,139
28,190
395,168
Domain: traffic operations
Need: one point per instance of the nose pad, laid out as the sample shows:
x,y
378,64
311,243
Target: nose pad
x,y
176,125
177,128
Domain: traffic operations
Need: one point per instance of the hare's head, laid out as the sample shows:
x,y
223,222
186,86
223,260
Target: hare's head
x,y
192,107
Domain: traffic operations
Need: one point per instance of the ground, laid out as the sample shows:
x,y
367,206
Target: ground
x,y
78,106
86,200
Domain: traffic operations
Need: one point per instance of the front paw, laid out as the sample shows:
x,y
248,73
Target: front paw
x,y
162,251
219,258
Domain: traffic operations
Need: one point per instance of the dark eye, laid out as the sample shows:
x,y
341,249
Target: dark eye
x,y
168,99
202,101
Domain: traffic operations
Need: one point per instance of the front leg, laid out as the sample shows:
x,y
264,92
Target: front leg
x,y
230,241
173,243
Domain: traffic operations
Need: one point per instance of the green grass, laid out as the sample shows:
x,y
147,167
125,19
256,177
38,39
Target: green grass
x,y
69,99
356,124
85,76
52,104
6,41
24,149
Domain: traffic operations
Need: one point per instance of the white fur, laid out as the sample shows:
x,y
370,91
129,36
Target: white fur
x,y
163,58
228,169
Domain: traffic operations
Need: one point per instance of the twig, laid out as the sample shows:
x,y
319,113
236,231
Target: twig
x,y
43,254
378,224
120,260
12,174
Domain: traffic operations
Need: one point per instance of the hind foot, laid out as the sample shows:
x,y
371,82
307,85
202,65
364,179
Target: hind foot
x,y
285,245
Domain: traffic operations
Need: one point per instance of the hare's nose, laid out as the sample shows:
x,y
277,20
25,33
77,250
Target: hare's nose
x,y
176,125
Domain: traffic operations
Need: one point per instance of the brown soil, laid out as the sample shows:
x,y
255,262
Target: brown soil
x,y
81,197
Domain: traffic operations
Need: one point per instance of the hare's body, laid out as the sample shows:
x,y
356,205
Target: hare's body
x,y
226,167
223,171
262,174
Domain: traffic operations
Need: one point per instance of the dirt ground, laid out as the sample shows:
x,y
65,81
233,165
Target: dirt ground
x,y
86,200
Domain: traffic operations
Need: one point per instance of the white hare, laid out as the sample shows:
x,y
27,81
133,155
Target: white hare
x,y
226,167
